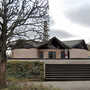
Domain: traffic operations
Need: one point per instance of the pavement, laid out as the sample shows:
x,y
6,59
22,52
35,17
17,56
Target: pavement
x,y
66,85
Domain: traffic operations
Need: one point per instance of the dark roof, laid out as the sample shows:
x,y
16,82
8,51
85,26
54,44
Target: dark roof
x,y
53,43
80,44
24,44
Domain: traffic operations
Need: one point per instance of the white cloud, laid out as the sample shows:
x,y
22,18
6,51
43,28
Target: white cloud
x,y
80,15
65,17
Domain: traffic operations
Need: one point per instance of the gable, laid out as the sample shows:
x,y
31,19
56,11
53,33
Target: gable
x,y
79,44
53,43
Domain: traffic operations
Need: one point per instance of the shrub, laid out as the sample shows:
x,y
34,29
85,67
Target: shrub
x,y
25,70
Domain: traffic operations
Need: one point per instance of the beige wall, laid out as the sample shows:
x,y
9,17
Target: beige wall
x,y
25,53
78,53
88,54
34,53
45,52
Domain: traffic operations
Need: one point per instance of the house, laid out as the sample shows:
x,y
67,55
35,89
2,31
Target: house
x,y
78,49
52,49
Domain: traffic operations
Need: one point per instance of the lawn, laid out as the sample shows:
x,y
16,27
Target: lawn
x,y
20,86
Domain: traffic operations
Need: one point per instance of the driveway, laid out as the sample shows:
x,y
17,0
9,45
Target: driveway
x,y
66,85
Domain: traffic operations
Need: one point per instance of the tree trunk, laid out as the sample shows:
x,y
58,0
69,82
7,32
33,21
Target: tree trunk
x,y
3,75
3,47
3,62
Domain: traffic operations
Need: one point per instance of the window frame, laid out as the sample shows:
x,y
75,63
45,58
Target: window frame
x,y
41,55
52,54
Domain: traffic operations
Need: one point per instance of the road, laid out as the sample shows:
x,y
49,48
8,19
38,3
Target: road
x,y
66,85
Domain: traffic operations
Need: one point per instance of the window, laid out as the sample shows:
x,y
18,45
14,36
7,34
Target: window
x,y
51,55
41,55
62,54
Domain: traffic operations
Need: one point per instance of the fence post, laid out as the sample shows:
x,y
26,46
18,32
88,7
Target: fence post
x,y
44,70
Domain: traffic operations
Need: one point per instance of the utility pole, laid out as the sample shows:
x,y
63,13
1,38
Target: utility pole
x,y
45,33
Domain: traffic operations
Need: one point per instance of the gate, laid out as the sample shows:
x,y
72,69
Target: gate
x,y
58,72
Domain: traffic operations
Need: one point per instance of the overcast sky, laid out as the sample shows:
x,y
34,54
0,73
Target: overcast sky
x,y
70,19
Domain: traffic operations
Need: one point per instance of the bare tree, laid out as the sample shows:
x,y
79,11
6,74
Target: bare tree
x,y
14,15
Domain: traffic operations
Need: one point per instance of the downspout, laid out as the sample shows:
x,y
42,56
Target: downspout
x,y
68,54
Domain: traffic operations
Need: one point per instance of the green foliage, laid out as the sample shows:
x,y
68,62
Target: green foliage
x,y
25,70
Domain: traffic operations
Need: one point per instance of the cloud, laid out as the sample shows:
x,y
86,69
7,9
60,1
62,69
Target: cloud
x,y
61,34
79,13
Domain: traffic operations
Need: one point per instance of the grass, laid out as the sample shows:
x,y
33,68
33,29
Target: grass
x,y
16,86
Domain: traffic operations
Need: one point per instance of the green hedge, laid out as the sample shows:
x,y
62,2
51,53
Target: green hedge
x,y
25,70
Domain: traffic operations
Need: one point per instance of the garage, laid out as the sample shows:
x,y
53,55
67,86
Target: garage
x,y
67,72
